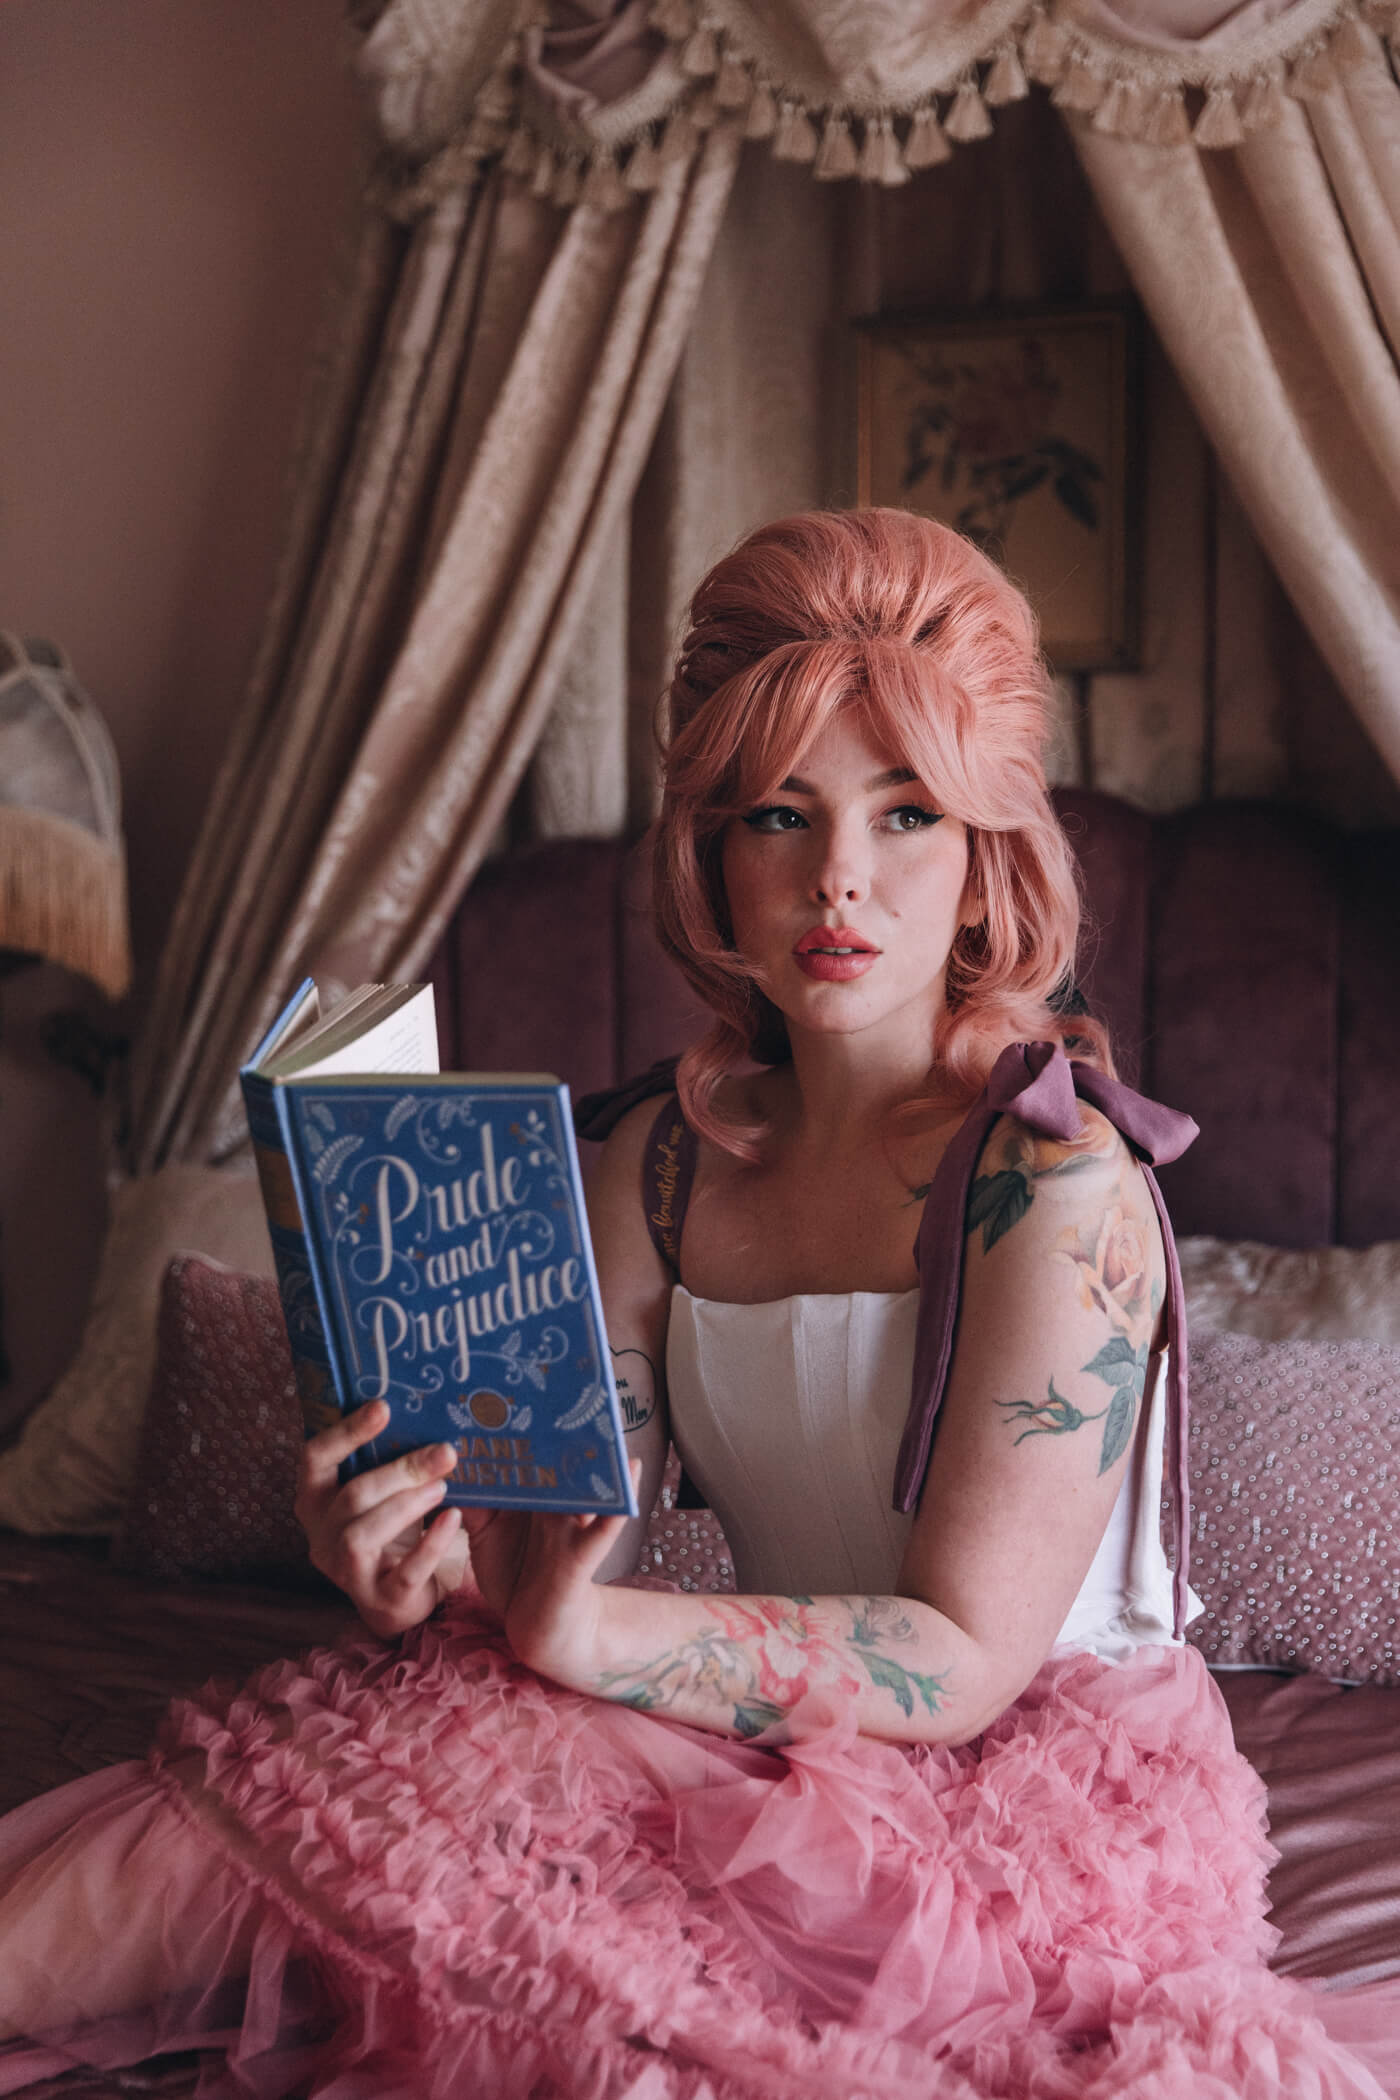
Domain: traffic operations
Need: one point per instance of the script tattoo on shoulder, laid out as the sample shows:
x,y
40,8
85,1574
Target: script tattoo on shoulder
x,y
635,1380
1017,1160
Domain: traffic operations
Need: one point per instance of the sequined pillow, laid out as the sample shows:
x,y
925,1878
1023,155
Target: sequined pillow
x,y
684,1549
216,1469
1295,1483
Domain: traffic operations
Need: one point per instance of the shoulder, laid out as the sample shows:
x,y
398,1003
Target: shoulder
x,y
1081,1201
1019,1164
617,1165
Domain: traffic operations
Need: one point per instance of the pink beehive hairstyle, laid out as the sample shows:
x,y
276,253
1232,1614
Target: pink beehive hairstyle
x,y
907,622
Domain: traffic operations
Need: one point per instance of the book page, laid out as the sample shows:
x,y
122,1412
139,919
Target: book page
x,y
404,1041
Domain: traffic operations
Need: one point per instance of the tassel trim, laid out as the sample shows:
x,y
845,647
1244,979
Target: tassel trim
x,y
1145,97
63,896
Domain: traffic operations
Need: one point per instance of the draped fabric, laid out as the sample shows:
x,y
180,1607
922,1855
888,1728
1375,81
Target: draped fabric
x,y
461,608
500,373
1272,275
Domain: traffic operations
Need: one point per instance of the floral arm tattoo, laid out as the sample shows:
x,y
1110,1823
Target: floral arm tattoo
x,y
757,1656
1019,1159
1110,1262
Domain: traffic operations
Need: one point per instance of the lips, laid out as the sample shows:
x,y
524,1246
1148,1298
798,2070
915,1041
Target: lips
x,y
834,954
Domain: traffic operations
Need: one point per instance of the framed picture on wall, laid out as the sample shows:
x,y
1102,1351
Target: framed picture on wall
x,y
1020,426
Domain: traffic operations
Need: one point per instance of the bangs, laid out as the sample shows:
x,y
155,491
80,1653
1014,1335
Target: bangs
x,y
753,731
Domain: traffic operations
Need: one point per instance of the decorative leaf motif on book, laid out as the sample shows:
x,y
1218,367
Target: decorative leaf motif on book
x,y
405,1107
435,1118
592,1402
334,1157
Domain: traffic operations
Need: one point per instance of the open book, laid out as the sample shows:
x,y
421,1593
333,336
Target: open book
x,y
432,1251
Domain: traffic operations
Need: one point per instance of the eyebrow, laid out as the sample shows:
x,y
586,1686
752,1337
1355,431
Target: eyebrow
x,y
897,776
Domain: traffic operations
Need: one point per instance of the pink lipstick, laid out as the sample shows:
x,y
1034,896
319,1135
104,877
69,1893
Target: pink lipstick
x,y
834,954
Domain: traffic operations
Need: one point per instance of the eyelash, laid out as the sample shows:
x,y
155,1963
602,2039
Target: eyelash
x,y
755,819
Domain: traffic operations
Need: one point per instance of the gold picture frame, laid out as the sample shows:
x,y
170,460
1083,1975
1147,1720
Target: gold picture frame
x,y
1020,427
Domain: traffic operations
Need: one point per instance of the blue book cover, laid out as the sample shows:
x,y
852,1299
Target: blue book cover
x,y
432,1249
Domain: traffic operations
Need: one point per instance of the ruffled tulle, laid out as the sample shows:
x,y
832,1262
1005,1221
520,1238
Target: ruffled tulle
x,y
421,1871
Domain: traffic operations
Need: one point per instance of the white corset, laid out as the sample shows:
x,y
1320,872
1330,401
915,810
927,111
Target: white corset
x,y
788,1416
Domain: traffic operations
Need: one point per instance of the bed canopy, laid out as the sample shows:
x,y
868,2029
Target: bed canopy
x,y
550,188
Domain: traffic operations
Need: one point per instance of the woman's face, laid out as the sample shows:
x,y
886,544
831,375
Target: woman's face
x,y
847,890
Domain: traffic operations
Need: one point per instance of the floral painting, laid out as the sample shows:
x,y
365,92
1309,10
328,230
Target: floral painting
x,y
1019,430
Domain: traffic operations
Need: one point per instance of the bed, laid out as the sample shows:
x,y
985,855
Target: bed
x,y
1244,958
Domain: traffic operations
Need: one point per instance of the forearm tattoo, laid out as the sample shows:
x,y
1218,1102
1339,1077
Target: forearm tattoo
x,y
759,1655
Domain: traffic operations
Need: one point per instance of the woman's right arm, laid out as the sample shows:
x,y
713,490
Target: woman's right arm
x,y
636,1288
368,1533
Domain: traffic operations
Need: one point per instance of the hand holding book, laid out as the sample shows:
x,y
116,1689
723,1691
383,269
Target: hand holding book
x,y
433,1253
382,1536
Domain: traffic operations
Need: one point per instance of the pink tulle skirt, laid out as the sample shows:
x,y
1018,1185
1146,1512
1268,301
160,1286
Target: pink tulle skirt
x,y
419,1870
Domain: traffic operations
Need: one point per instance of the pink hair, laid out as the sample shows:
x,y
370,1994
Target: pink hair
x,y
904,620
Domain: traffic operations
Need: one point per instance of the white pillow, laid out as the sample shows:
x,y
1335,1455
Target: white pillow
x,y
1325,1294
72,1467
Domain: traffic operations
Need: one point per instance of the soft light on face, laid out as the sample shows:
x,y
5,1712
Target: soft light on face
x,y
846,890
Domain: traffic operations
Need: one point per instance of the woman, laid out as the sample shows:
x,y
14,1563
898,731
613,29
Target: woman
x,y
939,1801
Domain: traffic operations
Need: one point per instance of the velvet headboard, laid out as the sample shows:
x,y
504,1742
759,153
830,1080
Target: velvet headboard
x,y
1243,955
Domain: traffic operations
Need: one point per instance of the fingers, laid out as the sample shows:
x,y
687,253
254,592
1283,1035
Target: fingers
x,y
417,1567
359,1543
318,1475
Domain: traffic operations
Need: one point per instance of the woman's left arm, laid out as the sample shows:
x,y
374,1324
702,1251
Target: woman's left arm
x,y
1062,1288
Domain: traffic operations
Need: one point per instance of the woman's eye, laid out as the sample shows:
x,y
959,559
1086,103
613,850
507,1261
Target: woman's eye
x,y
911,816
776,816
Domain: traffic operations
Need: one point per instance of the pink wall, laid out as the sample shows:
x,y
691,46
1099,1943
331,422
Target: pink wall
x,y
176,180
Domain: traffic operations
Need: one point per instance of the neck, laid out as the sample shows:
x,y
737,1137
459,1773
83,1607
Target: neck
x,y
845,1087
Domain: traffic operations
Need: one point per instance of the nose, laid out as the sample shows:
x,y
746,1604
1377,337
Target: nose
x,y
841,872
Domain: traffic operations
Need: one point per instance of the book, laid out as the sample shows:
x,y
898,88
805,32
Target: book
x,y
432,1250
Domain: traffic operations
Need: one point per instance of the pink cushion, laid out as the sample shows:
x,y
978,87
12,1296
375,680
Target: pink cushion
x,y
218,1458
1295,1480
216,1470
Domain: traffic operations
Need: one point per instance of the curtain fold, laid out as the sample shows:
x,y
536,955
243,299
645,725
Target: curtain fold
x,y
524,360
1269,314
455,595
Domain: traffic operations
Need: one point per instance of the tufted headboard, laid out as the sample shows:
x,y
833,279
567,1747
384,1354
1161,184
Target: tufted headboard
x,y
1243,954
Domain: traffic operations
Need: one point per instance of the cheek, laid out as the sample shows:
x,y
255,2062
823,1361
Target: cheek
x,y
932,893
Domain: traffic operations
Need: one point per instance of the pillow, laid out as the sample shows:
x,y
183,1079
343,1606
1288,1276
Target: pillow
x,y
1295,1485
71,1469
1332,1294
217,1460
216,1467
684,1549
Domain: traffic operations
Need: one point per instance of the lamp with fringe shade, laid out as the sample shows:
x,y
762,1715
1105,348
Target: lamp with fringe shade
x,y
62,855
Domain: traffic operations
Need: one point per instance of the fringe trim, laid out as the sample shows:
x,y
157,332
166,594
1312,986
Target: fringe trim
x,y
1146,97
63,896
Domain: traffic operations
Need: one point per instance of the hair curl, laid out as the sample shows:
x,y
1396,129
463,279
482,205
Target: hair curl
x,y
907,623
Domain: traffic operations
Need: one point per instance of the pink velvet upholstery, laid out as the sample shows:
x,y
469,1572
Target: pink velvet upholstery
x,y
1242,953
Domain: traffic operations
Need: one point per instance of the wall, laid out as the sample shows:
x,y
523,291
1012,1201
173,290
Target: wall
x,y
176,177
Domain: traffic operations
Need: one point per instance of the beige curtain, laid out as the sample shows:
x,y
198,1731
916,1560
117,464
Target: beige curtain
x,y
1246,163
1272,275
503,362
461,609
